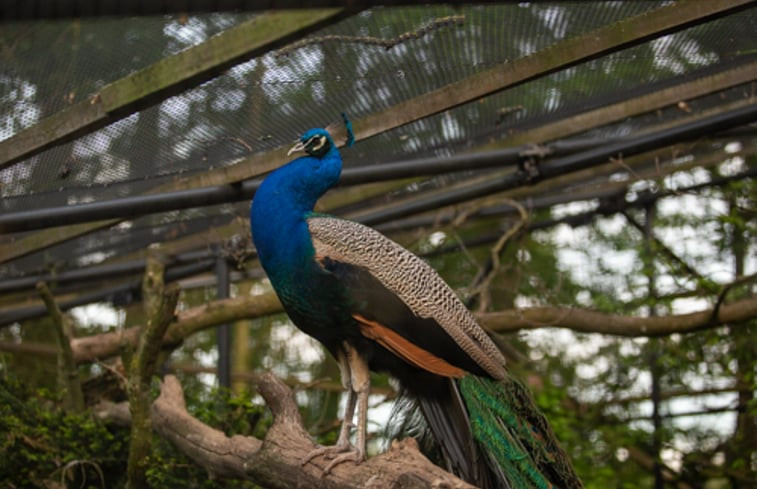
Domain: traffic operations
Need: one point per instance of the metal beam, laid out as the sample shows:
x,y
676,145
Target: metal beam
x,y
98,272
602,41
139,205
134,287
560,166
164,79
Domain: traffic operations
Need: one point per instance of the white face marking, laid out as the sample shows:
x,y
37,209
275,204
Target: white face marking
x,y
315,143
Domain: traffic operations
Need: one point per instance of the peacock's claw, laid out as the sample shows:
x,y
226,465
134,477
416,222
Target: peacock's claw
x,y
329,452
338,454
354,455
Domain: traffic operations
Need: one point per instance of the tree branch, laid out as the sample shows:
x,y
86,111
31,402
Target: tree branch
x,y
647,461
90,348
275,461
68,375
587,321
159,303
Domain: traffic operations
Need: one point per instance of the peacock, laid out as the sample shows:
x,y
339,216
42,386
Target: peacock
x,y
375,306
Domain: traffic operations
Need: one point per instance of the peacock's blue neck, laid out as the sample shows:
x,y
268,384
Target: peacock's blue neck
x,y
280,208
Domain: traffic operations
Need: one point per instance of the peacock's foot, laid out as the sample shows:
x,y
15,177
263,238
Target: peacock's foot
x,y
355,455
338,454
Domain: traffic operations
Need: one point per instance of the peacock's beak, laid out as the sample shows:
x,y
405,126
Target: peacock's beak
x,y
300,146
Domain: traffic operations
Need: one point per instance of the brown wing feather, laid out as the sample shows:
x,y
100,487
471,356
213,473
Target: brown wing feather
x,y
406,350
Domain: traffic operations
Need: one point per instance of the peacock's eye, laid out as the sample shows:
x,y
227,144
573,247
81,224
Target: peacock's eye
x,y
316,145
316,142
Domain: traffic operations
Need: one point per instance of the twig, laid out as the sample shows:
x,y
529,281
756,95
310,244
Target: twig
x,y
724,292
659,245
432,25
482,288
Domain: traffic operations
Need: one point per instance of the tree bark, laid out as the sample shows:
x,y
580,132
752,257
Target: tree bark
x,y
587,321
91,348
275,462
160,303
68,375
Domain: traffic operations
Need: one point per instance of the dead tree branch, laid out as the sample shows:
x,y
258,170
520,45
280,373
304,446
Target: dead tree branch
x,y
587,321
90,348
275,462
492,268
647,462
105,345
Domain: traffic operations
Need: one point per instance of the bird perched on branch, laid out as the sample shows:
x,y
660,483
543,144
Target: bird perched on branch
x,y
376,306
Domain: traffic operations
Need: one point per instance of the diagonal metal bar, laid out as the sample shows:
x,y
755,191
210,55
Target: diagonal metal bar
x,y
605,40
166,78
602,41
132,287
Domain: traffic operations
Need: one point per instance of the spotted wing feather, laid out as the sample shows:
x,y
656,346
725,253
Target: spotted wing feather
x,y
410,279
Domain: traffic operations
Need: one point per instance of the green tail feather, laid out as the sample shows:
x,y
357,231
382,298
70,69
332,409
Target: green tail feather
x,y
515,435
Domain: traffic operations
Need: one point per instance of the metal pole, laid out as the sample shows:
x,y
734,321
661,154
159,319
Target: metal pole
x,y
223,333
132,287
561,166
654,344
139,205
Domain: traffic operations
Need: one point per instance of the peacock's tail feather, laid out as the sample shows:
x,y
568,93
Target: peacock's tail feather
x,y
515,435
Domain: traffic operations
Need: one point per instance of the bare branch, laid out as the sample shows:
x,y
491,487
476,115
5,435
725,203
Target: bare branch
x,y
587,321
482,289
276,461
90,348
68,375
376,41
647,461
105,345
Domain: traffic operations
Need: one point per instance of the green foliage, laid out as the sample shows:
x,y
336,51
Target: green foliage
x,y
40,441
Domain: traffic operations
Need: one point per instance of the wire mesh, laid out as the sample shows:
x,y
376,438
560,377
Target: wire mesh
x,y
264,103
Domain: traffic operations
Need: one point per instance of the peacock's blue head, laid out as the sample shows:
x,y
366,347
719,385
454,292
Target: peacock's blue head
x,y
315,142
289,193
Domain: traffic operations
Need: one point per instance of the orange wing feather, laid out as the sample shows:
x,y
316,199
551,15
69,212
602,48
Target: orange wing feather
x,y
406,350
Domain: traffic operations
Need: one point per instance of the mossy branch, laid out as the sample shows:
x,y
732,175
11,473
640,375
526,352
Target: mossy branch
x,y
68,374
160,303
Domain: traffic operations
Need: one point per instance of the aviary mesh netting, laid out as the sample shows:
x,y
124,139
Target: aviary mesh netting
x,y
362,64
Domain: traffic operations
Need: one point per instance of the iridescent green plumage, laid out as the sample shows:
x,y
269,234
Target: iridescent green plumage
x,y
514,432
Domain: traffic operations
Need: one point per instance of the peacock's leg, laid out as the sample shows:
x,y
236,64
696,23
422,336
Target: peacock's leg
x,y
349,366
343,442
360,378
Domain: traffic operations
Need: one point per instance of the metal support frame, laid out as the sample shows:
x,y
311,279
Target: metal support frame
x,y
132,288
223,331
560,166
97,272
139,205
